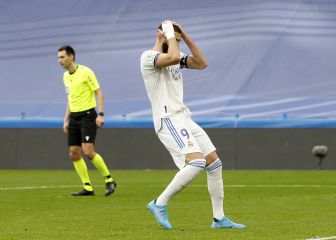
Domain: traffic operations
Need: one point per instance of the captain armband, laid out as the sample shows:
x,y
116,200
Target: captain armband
x,y
183,61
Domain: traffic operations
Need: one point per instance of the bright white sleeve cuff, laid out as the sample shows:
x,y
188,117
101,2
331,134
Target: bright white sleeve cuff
x,y
168,29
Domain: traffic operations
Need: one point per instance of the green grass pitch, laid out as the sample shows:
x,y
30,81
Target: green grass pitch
x,y
273,204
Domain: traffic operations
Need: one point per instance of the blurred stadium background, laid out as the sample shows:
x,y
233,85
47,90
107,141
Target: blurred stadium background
x,y
267,97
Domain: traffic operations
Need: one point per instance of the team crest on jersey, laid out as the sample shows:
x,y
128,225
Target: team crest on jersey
x,y
175,72
190,144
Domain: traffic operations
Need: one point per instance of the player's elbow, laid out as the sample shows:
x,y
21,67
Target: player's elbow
x,y
200,63
175,59
203,65
98,92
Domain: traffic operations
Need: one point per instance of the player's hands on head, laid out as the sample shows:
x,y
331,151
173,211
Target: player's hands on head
x,y
160,33
168,29
100,121
179,25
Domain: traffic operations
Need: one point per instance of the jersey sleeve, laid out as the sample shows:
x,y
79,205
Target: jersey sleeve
x,y
149,58
91,80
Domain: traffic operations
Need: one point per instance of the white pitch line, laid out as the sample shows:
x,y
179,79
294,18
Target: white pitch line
x,y
37,187
282,186
193,185
324,238
262,186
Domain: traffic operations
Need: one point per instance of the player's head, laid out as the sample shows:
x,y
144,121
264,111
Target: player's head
x,y
66,56
177,31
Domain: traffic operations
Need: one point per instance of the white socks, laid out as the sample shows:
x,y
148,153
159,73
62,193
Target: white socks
x,y
181,180
215,187
187,174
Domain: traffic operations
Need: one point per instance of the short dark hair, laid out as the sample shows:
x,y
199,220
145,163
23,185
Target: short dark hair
x,y
176,28
68,49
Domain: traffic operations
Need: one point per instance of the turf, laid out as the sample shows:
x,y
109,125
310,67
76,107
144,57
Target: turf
x,y
277,211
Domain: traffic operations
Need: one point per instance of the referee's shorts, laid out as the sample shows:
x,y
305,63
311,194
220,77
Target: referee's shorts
x,y
82,127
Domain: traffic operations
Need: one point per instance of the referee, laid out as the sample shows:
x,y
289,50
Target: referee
x,y
81,119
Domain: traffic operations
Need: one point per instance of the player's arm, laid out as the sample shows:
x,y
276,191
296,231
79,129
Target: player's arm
x,y
197,60
172,57
100,103
66,119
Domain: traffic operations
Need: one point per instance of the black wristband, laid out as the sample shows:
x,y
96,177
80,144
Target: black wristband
x,y
101,114
183,61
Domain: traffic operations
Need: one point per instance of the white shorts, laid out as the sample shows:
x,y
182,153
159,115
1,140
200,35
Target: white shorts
x,y
181,135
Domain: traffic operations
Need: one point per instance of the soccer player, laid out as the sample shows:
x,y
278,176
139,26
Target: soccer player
x,y
81,119
188,144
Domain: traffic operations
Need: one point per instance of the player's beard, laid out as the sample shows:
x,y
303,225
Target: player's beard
x,y
164,47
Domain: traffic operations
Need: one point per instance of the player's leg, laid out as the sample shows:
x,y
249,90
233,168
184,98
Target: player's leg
x,y
215,184
74,142
194,165
99,163
82,171
214,169
187,155
216,190
214,177
88,133
182,145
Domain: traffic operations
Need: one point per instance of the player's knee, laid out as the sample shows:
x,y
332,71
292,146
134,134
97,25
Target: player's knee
x,y
192,156
213,167
195,159
90,153
211,157
74,155
199,163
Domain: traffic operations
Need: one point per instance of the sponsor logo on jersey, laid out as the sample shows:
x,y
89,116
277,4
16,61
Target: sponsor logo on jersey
x,y
175,72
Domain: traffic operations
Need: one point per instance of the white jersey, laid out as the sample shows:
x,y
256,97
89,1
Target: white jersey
x,y
164,87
